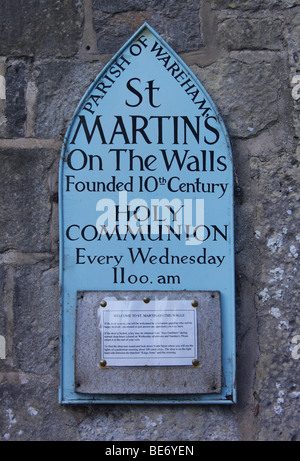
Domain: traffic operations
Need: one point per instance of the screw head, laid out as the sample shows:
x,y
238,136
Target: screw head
x,y
194,303
238,192
103,363
195,362
103,303
146,300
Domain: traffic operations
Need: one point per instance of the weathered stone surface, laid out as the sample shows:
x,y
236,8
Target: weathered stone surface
x,y
36,318
25,206
2,284
268,172
292,33
15,81
249,33
166,17
29,412
156,423
61,85
253,5
3,322
108,6
43,27
245,91
2,96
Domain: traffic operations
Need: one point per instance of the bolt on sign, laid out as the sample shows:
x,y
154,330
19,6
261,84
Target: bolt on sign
x,y
146,237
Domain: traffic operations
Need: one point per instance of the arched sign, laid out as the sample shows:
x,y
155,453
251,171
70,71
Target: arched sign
x,y
146,237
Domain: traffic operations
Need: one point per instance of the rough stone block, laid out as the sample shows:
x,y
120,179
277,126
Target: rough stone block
x,y
238,34
245,92
25,208
116,22
15,80
157,423
2,308
36,318
29,412
40,27
108,6
291,33
61,85
2,284
253,4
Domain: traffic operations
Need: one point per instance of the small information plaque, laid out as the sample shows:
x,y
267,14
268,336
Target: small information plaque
x,y
162,334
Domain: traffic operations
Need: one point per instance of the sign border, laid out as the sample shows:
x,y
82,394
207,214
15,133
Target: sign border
x,y
67,395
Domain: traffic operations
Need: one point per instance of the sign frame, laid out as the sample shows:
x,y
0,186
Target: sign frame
x,y
67,394
203,372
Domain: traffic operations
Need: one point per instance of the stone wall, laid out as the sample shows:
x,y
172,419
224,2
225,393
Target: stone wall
x,y
247,56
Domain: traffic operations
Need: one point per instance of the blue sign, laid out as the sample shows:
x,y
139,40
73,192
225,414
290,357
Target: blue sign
x,y
146,198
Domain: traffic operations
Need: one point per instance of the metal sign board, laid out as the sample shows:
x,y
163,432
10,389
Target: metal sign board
x,y
168,345
146,229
